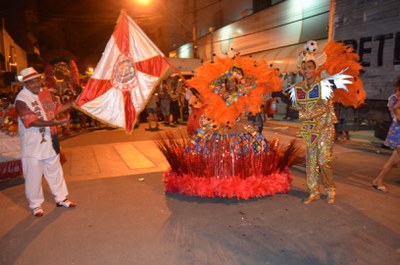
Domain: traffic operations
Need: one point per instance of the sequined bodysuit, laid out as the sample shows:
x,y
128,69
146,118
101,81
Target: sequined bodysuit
x,y
317,129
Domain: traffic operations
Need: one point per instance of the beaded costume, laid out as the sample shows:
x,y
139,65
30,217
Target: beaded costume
x,y
227,157
315,105
318,118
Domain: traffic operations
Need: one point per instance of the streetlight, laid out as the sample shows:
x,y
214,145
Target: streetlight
x,y
89,71
143,2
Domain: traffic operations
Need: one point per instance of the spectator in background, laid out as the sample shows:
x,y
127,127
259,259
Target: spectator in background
x,y
4,105
290,80
152,112
345,116
8,115
165,102
265,98
174,105
271,107
256,121
392,139
188,96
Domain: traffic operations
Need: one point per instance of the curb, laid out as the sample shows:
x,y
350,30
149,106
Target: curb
x,y
279,124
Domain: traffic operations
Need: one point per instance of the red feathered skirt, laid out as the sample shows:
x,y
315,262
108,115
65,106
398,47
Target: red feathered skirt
x,y
227,165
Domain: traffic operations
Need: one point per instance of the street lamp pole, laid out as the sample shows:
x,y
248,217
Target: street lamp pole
x,y
331,20
211,30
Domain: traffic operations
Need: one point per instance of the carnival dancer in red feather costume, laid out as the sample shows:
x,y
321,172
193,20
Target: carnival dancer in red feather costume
x,y
227,157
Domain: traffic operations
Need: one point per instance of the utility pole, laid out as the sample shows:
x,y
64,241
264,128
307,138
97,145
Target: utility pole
x,y
331,20
3,33
211,30
194,31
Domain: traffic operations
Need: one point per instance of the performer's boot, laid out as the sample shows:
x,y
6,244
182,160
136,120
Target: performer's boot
x,y
331,197
311,198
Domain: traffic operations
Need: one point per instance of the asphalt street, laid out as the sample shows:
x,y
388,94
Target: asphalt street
x,y
125,217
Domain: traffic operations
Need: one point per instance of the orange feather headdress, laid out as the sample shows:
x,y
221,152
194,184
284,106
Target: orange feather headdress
x,y
232,87
335,58
339,57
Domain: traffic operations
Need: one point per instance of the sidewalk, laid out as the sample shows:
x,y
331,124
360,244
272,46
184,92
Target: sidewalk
x,y
361,136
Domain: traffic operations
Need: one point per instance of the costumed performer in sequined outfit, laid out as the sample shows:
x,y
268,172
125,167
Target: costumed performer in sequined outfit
x,y
313,98
226,156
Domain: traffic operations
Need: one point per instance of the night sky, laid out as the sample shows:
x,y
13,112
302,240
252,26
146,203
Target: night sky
x,y
82,27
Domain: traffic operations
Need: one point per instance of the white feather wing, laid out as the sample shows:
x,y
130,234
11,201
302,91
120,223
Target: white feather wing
x,y
338,81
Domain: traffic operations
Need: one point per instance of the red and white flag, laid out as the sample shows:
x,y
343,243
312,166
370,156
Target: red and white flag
x,y
124,78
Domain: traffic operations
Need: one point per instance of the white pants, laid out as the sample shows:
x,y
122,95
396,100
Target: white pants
x,y
33,170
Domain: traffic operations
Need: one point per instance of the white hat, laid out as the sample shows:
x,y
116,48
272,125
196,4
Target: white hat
x,y
28,74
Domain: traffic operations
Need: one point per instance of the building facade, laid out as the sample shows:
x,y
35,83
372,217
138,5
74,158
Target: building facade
x,y
12,59
278,32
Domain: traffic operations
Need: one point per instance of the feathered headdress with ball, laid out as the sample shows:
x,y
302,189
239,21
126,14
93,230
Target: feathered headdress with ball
x,y
339,69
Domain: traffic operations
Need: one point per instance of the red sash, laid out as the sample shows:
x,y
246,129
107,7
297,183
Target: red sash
x,y
50,107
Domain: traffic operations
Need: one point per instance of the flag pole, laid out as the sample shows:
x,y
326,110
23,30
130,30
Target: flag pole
x,y
123,12
176,70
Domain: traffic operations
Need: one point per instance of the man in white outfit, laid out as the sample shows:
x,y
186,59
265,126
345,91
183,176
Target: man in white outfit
x,y
40,151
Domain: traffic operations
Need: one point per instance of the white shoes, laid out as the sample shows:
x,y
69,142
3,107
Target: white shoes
x,y
38,211
66,203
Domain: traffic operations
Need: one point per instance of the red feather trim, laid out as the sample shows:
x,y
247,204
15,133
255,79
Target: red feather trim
x,y
227,174
228,187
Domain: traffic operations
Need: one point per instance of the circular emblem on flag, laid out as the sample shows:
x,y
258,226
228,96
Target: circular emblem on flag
x,y
124,73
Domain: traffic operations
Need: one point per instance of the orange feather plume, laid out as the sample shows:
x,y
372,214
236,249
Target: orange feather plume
x,y
216,109
339,57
